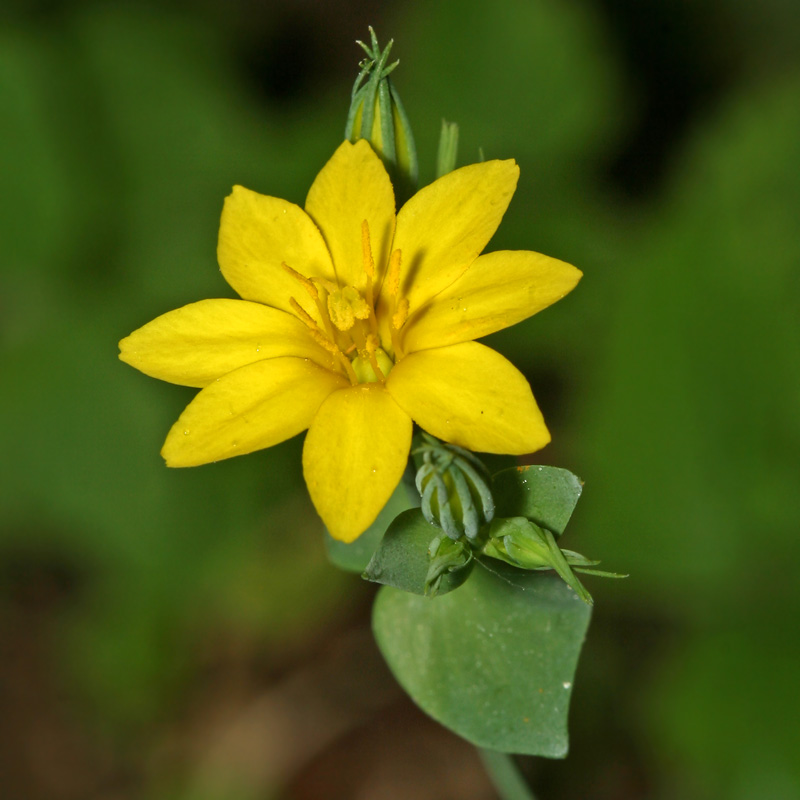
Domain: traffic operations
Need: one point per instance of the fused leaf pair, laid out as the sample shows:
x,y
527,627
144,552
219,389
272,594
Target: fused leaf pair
x,y
493,656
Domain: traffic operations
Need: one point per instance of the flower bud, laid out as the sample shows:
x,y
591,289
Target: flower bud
x,y
447,558
448,148
522,543
454,488
377,115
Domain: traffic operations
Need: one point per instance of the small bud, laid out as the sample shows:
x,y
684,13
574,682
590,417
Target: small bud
x,y
377,115
522,543
454,488
446,557
448,148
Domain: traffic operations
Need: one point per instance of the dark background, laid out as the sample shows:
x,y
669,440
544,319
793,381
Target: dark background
x,y
179,635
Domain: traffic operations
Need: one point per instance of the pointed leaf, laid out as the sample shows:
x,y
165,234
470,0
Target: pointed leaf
x,y
545,495
402,558
493,661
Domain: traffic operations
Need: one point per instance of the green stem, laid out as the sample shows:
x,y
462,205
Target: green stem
x,y
505,776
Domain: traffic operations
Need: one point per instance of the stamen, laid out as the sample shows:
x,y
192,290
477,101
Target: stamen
x,y
319,337
366,249
372,345
351,373
398,351
401,315
309,285
303,314
398,312
369,270
393,278
328,286
305,282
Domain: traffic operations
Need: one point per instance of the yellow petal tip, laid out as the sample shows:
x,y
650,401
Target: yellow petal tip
x,y
344,534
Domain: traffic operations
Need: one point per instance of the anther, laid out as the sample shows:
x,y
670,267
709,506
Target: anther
x,y
303,314
366,249
393,278
401,315
369,271
305,282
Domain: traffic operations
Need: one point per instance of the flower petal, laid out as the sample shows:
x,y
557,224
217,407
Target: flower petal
x,y
256,234
354,456
471,396
248,409
499,289
352,187
200,342
443,228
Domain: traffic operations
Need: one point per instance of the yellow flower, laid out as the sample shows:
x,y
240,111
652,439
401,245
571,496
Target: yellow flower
x,y
353,322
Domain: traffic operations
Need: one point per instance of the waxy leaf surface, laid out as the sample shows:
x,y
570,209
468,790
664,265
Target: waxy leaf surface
x,y
493,661
545,495
402,559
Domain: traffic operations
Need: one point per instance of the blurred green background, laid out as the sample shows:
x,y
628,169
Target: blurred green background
x,y
179,635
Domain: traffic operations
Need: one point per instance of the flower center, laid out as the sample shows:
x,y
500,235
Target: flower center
x,y
350,329
366,373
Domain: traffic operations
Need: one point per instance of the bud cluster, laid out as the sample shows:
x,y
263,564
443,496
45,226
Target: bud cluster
x,y
454,488
455,496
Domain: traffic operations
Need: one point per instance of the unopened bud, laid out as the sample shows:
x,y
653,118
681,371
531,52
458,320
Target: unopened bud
x,y
522,543
454,488
377,115
447,557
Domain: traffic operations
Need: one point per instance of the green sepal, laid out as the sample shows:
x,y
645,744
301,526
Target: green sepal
x,y
577,560
405,150
601,573
544,495
580,564
404,559
447,153
494,661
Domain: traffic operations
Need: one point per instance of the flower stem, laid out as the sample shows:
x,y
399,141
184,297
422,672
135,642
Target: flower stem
x,y
505,776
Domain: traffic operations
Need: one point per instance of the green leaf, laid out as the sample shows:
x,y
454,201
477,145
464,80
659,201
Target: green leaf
x,y
545,495
402,559
493,661
355,556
